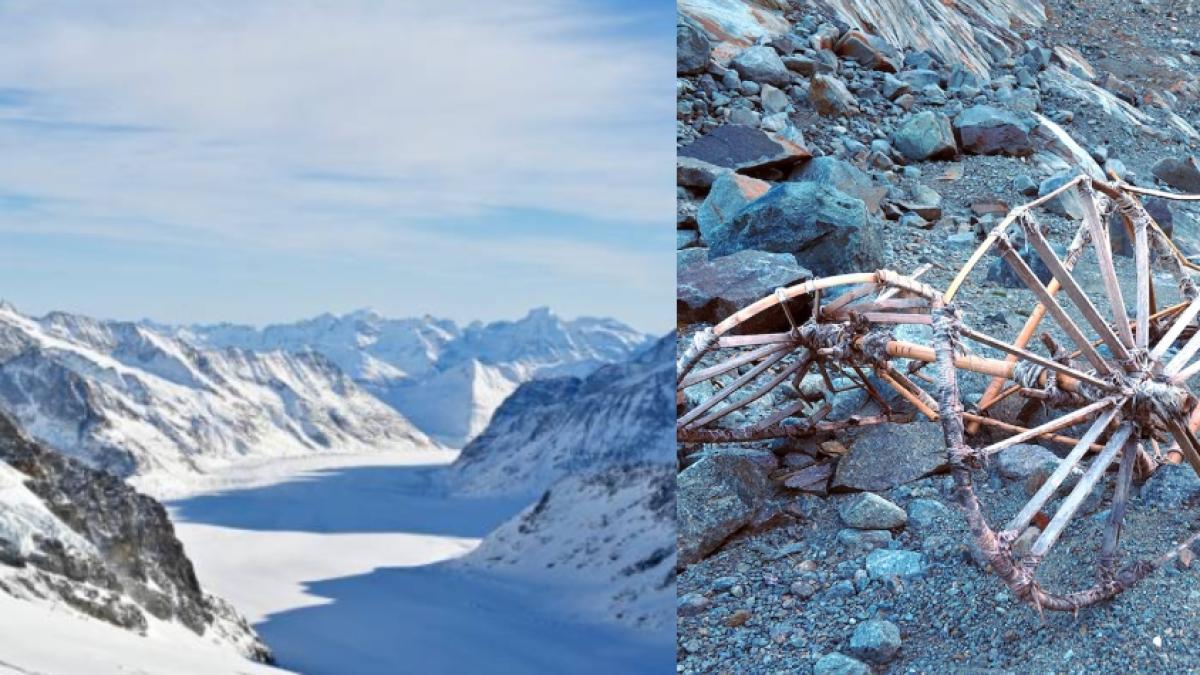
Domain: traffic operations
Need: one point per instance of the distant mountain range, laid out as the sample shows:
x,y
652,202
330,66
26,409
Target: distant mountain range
x,y
446,379
160,411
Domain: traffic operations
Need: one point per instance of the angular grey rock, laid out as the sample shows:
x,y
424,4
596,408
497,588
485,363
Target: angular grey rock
x,y
800,64
710,290
1066,204
985,130
842,176
923,513
717,497
692,604
840,664
920,78
692,49
1181,174
869,511
886,455
763,65
894,88
885,563
863,540
695,173
830,96
828,231
744,148
686,239
1020,461
773,100
925,135
730,194
875,641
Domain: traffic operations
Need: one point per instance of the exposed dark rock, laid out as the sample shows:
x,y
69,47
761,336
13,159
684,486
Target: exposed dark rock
x,y
710,290
828,231
830,96
763,65
843,176
868,50
744,148
925,135
1181,174
717,497
730,193
985,130
692,48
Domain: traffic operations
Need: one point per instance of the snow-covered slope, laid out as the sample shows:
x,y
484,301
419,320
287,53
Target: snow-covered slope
x,y
447,380
549,428
87,550
607,534
124,398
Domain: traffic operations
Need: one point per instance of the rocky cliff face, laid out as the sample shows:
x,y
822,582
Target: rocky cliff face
x,y
81,537
554,427
446,379
138,404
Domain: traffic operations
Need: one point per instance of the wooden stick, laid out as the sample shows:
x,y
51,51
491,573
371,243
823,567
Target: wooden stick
x,y
790,292
726,341
1141,256
1182,322
1186,440
1067,420
1086,483
1005,426
978,364
1060,316
1048,489
998,397
803,362
727,391
1112,529
1183,355
917,402
722,368
1068,283
1108,273
846,298
1032,357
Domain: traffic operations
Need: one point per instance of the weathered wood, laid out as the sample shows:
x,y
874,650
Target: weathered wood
x,y
1116,514
737,362
1069,419
1108,272
728,391
1032,357
817,473
1141,257
1181,322
802,363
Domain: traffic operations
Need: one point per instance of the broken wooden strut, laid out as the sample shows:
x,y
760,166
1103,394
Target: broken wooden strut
x,y
1124,387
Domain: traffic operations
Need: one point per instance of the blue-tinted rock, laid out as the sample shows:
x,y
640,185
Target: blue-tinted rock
x,y
840,664
763,65
869,511
885,563
925,135
875,641
985,130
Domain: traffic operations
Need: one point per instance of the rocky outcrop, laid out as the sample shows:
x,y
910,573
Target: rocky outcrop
x,y
707,291
985,130
743,148
718,495
85,538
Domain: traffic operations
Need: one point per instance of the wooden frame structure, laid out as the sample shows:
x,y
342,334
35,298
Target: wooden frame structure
x,y
1125,386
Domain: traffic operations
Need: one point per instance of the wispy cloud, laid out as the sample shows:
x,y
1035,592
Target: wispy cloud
x,y
323,125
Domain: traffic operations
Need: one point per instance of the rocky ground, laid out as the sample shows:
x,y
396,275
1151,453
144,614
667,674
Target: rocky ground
x,y
812,150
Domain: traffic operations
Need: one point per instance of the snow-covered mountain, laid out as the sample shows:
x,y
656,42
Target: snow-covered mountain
x,y
124,398
606,534
599,450
549,428
447,380
87,549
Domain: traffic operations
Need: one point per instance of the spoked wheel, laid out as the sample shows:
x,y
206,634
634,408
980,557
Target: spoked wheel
x,y
1121,397
1126,389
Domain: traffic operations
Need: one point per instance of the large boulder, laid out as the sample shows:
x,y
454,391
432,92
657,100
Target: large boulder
x,y
762,65
827,230
730,193
868,50
710,290
1181,174
926,135
886,455
717,496
830,96
692,48
843,176
985,130
744,148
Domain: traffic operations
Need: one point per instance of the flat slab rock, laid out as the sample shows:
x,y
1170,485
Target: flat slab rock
x,y
739,147
886,455
710,290
717,496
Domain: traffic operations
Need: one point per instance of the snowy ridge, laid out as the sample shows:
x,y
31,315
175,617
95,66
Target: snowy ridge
x,y
608,535
159,411
447,380
554,427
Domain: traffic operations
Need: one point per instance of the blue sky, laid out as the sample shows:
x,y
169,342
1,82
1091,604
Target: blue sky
x,y
255,162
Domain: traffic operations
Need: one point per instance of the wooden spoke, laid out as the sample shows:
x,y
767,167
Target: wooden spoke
x,y
1181,322
1108,273
1060,316
1063,422
722,368
1033,358
728,391
750,340
1061,472
1184,355
1112,529
1186,440
848,297
1086,483
784,413
1067,282
1141,257
803,363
